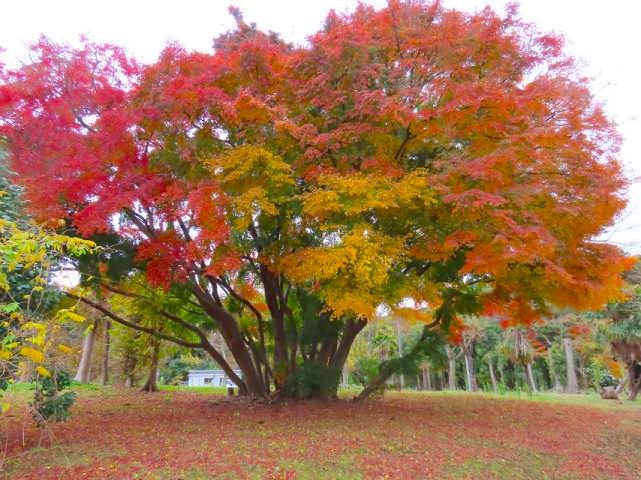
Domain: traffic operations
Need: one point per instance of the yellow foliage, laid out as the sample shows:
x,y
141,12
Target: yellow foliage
x,y
34,326
42,371
255,180
32,354
5,354
65,314
64,349
352,271
37,340
413,315
358,193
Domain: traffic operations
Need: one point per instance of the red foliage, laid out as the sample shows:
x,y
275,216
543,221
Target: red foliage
x,y
579,330
520,158
455,331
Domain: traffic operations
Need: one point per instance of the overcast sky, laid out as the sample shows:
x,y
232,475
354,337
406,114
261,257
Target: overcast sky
x,y
602,35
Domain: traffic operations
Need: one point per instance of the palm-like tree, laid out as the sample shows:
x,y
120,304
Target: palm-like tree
x,y
624,330
517,346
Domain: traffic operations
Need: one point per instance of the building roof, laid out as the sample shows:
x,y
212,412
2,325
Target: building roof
x,y
213,371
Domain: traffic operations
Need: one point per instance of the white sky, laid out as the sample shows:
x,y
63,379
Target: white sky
x,y
602,35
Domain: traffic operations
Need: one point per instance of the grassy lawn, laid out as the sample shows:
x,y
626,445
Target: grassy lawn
x,y
196,434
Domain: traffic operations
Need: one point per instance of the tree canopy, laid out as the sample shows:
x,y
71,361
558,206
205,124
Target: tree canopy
x,y
415,158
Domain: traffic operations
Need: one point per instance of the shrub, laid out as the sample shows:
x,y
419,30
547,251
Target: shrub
x,y
313,380
50,401
598,376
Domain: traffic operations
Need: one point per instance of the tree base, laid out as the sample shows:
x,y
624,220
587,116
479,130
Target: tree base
x,y
150,388
609,393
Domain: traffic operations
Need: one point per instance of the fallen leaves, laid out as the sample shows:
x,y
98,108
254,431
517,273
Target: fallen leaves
x,y
124,434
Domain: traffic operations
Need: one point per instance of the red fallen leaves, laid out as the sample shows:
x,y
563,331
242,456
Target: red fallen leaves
x,y
405,436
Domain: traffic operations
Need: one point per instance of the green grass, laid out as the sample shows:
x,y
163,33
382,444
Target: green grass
x,y
205,390
581,399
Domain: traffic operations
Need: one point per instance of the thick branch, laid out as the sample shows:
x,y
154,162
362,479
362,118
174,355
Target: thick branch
x,y
239,297
380,380
162,312
140,222
135,326
401,148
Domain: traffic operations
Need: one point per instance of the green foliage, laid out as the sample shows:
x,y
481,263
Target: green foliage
x,y
51,400
428,347
11,202
365,370
114,261
313,380
316,324
599,376
29,253
626,326
176,368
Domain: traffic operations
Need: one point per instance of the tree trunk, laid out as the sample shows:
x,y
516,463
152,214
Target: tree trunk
x,y
151,385
82,375
399,345
452,368
530,378
470,370
129,369
634,380
225,377
104,377
622,384
253,383
583,379
351,329
231,374
341,348
427,378
272,288
490,365
380,380
572,385
327,351
558,387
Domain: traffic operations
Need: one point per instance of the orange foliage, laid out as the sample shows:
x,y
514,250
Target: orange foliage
x,y
403,152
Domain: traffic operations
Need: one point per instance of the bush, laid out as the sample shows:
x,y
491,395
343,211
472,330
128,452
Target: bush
x,y
598,376
50,401
313,380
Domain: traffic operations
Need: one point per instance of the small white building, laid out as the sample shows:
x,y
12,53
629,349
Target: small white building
x,y
210,378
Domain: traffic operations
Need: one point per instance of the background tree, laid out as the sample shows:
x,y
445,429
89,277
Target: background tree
x,y
518,346
488,350
624,331
28,258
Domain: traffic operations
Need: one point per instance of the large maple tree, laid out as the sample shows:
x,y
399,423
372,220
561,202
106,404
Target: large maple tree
x,y
414,158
